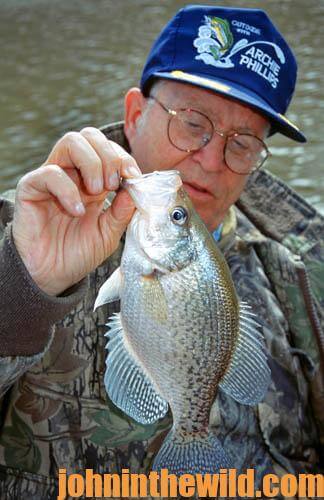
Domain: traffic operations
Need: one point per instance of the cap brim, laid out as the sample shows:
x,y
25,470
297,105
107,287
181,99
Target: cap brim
x,y
278,121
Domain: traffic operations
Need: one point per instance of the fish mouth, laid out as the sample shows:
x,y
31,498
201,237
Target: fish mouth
x,y
154,190
162,174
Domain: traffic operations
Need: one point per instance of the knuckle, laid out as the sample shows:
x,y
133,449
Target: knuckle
x,y
89,131
29,177
70,136
51,167
50,170
23,181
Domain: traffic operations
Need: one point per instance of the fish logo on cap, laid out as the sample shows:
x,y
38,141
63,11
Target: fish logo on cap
x,y
214,45
214,37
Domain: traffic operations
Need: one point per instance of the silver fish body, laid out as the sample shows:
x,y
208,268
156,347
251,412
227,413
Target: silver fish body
x,y
181,333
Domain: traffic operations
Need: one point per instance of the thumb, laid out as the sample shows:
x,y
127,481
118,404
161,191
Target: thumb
x,y
118,216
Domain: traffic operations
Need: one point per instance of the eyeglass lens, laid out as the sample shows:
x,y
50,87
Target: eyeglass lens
x,y
190,130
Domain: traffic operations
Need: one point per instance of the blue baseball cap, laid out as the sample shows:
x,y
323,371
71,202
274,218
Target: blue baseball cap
x,y
238,53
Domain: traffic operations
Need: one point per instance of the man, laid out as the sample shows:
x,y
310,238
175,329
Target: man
x,y
209,97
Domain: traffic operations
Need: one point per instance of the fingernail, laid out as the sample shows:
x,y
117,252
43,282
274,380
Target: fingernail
x,y
97,185
79,208
113,181
133,171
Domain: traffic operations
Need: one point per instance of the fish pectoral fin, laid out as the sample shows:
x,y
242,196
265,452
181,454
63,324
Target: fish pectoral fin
x,y
153,299
110,290
248,376
126,382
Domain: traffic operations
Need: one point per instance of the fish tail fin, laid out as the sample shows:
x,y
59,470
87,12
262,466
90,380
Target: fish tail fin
x,y
187,454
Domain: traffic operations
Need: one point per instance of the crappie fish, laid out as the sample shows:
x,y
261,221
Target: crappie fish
x,y
181,333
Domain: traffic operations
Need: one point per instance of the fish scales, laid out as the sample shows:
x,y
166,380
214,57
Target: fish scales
x,y
182,334
173,341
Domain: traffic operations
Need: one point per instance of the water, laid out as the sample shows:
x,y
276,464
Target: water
x,y
65,65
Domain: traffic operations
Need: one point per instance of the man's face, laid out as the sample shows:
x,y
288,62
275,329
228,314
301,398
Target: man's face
x,y
211,185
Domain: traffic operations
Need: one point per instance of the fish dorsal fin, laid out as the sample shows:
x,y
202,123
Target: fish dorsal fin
x,y
110,290
127,384
248,375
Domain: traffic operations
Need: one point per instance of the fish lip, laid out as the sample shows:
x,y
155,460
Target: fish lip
x,y
154,189
136,180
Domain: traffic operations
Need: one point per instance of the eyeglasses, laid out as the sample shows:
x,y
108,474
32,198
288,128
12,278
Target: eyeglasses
x,y
190,130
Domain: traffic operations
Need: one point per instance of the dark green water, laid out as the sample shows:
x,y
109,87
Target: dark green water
x,y
66,64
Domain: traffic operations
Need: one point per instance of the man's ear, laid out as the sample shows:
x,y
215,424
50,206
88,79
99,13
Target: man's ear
x,y
134,105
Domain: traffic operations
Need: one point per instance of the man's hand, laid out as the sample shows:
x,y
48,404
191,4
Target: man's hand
x,y
60,229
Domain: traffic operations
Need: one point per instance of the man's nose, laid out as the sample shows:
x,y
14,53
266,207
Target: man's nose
x,y
211,156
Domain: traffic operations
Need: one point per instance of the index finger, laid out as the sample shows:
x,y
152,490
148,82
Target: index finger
x,y
124,163
116,161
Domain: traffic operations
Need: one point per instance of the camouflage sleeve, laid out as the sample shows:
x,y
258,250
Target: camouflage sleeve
x,y
12,367
27,314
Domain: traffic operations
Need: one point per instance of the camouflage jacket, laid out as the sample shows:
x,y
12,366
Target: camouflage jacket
x,y
54,409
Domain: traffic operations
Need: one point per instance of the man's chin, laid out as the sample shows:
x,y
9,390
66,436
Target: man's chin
x,y
210,219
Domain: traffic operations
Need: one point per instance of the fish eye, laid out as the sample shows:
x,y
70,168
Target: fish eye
x,y
179,215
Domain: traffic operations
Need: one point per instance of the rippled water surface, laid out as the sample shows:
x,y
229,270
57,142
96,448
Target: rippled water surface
x,y
66,64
